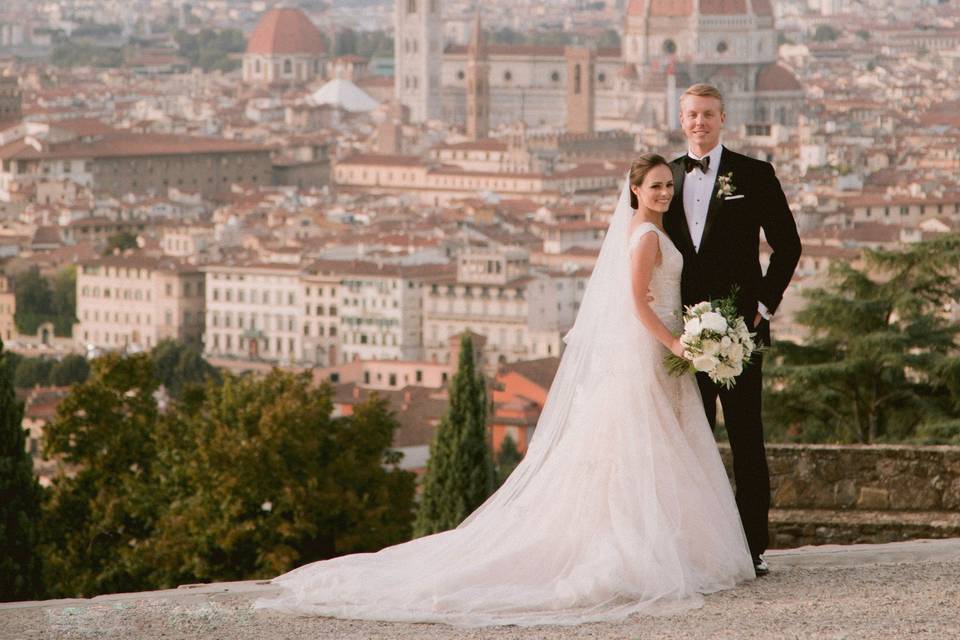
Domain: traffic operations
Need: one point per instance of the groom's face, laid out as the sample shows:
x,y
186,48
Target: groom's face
x,y
701,118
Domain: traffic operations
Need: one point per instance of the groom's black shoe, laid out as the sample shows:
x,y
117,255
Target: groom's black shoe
x,y
760,566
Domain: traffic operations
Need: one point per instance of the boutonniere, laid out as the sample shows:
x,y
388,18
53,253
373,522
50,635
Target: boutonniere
x,y
725,186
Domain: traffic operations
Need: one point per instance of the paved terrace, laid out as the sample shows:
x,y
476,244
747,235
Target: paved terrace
x,y
896,590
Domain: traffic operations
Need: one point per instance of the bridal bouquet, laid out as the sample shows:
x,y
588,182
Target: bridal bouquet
x,y
716,341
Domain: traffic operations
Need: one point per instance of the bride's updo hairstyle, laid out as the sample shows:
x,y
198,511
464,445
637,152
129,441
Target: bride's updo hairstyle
x,y
639,170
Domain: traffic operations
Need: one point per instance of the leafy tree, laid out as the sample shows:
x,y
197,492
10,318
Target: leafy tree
x,y
97,518
20,500
259,478
63,301
38,302
34,301
825,33
880,364
178,365
72,369
120,242
75,54
507,459
211,50
460,474
33,372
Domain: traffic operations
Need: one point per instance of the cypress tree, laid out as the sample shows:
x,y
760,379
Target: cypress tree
x,y
460,473
20,500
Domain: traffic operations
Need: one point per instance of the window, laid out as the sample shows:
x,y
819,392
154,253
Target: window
x,y
507,76
411,6
393,380
287,66
722,46
669,47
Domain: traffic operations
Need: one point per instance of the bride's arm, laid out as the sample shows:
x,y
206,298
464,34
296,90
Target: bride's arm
x,y
643,260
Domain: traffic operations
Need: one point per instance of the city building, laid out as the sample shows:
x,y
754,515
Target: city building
x,y
131,303
666,47
285,48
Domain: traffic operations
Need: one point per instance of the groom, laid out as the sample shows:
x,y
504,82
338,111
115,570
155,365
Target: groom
x,y
721,202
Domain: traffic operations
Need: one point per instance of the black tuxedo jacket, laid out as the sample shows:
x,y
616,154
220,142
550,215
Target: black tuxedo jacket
x,y
730,247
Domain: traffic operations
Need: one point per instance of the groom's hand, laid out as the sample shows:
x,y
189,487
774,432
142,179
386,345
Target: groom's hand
x,y
756,321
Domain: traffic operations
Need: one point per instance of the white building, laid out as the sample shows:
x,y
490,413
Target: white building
x,y
523,314
133,302
381,309
254,312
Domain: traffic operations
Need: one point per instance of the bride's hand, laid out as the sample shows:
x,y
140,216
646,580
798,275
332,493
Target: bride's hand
x,y
676,347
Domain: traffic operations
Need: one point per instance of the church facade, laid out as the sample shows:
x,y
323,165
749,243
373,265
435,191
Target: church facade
x,y
666,46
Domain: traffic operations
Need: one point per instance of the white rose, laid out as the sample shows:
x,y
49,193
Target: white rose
x,y
710,347
738,368
735,353
705,363
724,372
700,309
713,321
725,342
692,327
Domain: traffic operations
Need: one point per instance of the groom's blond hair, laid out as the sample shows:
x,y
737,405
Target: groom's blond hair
x,y
704,90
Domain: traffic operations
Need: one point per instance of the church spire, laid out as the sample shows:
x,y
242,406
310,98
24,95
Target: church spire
x,y
478,84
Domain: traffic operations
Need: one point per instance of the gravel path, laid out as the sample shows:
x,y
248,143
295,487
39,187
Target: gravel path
x,y
900,590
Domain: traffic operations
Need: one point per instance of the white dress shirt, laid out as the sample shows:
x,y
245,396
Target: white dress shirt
x,y
697,189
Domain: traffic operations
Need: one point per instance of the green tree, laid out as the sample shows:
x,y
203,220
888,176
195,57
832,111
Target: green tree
x,y
120,242
34,301
72,369
825,33
178,365
212,50
33,372
880,363
63,301
96,519
20,500
259,478
38,302
459,474
507,459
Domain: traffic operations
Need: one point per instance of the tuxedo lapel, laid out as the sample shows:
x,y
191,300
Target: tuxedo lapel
x,y
679,174
716,204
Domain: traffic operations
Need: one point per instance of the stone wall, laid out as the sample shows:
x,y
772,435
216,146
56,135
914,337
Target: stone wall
x,y
841,494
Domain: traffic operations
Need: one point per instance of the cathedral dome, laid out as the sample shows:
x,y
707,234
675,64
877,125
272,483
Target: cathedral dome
x,y
285,31
773,77
683,8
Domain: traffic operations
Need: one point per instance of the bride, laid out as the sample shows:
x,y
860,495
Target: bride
x,y
621,504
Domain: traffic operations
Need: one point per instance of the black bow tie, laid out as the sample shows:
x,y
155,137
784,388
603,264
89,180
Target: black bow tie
x,y
690,163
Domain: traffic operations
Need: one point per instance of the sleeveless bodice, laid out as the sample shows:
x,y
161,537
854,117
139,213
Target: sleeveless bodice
x,y
665,281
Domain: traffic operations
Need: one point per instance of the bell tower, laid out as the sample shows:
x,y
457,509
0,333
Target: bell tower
x,y
478,85
418,33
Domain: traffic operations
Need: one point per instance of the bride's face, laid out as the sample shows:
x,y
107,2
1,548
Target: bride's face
x,y
656,190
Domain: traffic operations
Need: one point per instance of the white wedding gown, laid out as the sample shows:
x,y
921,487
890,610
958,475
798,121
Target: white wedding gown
x,y
620,506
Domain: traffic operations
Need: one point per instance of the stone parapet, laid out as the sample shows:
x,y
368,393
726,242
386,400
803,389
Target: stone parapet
x,y
861,493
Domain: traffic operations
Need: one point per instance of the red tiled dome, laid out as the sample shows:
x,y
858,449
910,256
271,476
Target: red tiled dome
x,y
762,7
285,31
636,7
681,8
671,8
723,7
773,77
628,72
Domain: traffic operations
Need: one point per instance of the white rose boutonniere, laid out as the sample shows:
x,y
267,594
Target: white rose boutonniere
x,y
725,186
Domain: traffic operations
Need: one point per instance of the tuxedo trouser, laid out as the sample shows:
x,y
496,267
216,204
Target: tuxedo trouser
x,y
742,418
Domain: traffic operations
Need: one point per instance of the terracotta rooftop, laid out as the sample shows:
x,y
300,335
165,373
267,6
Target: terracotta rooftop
x,y
540,372
773,77
126,144
285,31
